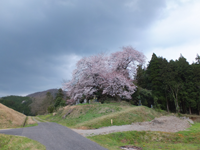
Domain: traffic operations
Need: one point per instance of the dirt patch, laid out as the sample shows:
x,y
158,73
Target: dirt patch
x,y
164,124
195,119
30,120
129,147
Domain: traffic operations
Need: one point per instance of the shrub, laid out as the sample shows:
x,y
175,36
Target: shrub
x,y
50,109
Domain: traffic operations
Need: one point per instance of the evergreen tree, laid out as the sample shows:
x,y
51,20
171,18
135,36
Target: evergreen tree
x,y
59,101
175,85
155,79
198,59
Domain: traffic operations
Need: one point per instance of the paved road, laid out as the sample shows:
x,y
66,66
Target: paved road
x,y
55,137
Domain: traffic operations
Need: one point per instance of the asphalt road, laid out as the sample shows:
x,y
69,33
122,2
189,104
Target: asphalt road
x,y
55,137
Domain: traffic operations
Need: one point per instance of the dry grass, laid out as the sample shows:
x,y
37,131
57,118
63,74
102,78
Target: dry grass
x,y
10,118
30,120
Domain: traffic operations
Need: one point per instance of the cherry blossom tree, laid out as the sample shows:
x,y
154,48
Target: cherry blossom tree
x,y
110,74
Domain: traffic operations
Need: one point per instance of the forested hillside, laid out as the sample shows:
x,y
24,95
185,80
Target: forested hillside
x,y
36,103
51,99
18,103
170,85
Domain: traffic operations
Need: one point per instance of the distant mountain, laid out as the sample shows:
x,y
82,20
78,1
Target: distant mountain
x,y
40,102
43,93
32,104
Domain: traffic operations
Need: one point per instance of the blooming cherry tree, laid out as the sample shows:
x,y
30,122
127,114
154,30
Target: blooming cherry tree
x,y
110,74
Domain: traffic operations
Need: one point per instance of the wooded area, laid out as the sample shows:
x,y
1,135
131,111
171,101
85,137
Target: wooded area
x,y
170,85
18,103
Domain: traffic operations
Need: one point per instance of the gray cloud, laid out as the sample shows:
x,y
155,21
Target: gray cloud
x,y
36,33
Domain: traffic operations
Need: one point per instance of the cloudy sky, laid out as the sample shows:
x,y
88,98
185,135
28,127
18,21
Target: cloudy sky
x,y
41,40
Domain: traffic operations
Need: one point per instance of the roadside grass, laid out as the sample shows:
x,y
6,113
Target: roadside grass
x,y
183,140
11,142
90,116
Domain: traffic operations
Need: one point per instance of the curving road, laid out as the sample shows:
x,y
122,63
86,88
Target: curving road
x,y
55,137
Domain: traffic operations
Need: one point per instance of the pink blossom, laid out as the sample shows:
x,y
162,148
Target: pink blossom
x,y
110,74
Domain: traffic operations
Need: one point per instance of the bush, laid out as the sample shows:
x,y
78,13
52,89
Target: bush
x,y
63,103
58,100
50,109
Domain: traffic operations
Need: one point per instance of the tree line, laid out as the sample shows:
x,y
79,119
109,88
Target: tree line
x,y
170,85
18,103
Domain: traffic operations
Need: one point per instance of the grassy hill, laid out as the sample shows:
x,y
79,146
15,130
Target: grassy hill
x,y
10,118
88,116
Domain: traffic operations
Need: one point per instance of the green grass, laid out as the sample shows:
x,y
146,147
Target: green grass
x,y
90,116
184,140
11,142
123,117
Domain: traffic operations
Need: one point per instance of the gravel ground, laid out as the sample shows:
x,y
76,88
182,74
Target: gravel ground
x,y
164,124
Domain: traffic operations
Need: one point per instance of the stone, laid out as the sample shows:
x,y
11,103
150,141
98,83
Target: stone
x,y
157,122
190,121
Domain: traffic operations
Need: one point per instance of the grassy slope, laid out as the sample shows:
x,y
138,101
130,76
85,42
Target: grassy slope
x,y
10,118
88,116
184,140
10,142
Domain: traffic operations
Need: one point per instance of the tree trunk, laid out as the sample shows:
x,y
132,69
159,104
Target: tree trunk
x,y
177,106
167,106
190,110
183,107
199,112
118,98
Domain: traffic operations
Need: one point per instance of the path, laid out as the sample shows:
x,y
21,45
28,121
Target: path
x,y
164,124
55,137
38,120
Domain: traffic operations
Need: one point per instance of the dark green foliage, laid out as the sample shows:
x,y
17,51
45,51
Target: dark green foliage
x,y
144,95
18,103
63,103
47,101
50,109
60,93
197,59
59,101
175,85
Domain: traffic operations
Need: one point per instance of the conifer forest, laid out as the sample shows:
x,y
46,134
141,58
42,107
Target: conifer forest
x,y
169,85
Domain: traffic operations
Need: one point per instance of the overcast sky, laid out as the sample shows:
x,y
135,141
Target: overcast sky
x,y
41,40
